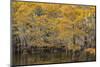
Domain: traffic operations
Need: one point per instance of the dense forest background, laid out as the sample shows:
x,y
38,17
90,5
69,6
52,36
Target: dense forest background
x,y
45,31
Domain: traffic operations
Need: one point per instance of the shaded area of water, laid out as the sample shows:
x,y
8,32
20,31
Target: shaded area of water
x,y
45,58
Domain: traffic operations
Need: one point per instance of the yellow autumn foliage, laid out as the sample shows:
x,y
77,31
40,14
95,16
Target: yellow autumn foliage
x,y
51,21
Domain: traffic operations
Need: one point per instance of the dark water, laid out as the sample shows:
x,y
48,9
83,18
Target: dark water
x,y
45,58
